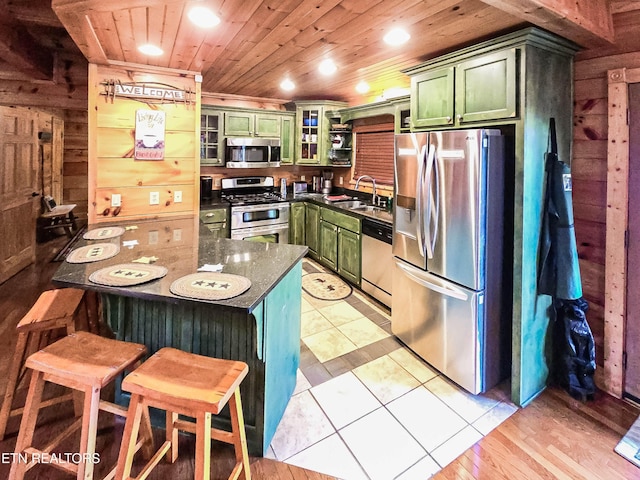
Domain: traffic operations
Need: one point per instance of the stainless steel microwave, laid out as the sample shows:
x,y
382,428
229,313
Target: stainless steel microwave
x,y
252,152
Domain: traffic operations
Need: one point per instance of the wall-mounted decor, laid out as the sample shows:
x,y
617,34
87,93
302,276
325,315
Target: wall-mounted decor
x,y
148,92
149,137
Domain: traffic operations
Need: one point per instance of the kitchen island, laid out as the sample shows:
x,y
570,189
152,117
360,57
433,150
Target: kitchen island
x,y
260,326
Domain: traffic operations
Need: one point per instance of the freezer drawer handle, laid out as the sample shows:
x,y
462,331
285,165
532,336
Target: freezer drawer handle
x,y
448,291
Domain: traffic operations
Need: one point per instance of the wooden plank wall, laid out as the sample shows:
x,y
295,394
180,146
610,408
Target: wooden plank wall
x,y
112,168
76,160
589,161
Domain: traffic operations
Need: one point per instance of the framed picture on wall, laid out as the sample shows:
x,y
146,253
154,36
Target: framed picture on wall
x,y
149,136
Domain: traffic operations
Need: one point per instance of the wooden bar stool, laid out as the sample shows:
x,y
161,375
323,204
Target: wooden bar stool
x,y
54,309
86,363
192,385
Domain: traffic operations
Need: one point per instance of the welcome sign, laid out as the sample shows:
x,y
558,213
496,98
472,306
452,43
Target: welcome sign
x,y
147,92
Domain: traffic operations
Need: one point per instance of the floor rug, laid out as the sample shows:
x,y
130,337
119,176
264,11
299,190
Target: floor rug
x,y
325,286
629,446
62,254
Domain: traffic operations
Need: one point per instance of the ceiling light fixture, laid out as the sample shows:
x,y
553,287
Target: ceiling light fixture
x,y
362,87
327,67
396,36
150,50
203,17
287,85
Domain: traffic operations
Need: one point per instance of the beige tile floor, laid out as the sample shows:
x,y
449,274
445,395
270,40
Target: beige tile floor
x,y
365,407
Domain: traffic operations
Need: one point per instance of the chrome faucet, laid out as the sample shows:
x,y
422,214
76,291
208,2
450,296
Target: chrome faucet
x,y
374,196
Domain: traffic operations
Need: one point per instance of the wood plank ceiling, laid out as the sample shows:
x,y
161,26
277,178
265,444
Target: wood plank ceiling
x,y
260,42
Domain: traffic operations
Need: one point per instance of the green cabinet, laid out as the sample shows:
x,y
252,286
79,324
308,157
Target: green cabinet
x,y
249,124
297,219
312,226
216,221
340,244
312,131
287,137
349,255
328,245
211,138
479,89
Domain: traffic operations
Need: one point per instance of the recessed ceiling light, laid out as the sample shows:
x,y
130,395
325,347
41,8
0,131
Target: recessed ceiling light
x,y
203,17
287,85
151,50
362,87
396,36
327,67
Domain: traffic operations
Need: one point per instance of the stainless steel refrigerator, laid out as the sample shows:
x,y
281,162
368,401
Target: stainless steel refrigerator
x,y
447,247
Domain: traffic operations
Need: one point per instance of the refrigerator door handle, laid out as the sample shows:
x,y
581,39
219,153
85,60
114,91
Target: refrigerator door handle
x,y
436,218
417,276
420,228
430,239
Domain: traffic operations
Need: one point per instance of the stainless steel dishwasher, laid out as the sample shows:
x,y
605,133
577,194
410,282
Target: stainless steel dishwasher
x,y
377,260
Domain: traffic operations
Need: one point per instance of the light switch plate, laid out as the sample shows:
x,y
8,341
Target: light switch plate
x,y
177,196
177,235
116,200
154,198
153,237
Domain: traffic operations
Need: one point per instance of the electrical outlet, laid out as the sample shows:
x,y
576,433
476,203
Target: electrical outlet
x,y
177,196
154,198
302,178
341,180
116,200
153,237
177,235
216,182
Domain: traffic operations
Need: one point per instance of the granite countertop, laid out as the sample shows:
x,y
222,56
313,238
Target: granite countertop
x,y
182,245
379,214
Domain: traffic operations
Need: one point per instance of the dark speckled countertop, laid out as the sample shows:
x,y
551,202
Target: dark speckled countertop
x,y
182,244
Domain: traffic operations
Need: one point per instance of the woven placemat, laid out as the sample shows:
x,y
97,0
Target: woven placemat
x,y
325,286
210,286
93,253
127,274
103,233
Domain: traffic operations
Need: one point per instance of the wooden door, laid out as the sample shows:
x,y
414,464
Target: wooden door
x,y
632,327
18,182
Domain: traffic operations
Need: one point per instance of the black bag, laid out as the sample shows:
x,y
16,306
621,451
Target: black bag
x,y
575,349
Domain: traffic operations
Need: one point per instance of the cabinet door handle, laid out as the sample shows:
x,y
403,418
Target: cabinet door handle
x,y
448,118
209,215
459,118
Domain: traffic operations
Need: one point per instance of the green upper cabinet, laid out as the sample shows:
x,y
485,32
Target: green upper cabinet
x,y
211,138
312,131
479,89
486,87
297,223
287,136
248,124
432,98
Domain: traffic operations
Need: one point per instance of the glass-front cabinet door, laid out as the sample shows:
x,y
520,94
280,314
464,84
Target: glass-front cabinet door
x,y
310,137
210,139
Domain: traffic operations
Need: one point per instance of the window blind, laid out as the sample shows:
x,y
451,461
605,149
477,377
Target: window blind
x,y
374,152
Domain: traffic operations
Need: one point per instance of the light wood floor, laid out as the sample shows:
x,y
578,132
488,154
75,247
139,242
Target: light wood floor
x,y
555,437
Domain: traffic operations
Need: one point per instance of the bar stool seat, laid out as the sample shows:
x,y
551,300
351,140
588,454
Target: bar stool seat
x,y
54,309
84,362
192,385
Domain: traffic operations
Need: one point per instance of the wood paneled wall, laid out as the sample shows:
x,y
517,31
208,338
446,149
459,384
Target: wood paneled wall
x,y
112,166
589,163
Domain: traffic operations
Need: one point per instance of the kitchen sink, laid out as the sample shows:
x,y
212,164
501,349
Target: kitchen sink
x,y
351,204
367,208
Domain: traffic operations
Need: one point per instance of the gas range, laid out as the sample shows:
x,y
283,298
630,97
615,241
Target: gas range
x,y
250,191
258,213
